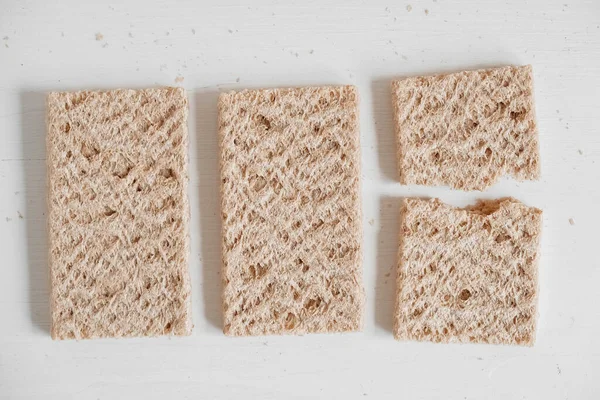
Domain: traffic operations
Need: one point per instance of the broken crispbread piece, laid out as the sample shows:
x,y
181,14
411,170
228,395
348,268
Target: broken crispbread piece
x,y
467,129
468,275
291,211
118,213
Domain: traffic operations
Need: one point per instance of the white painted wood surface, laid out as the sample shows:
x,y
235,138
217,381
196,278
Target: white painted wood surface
x,y
218,45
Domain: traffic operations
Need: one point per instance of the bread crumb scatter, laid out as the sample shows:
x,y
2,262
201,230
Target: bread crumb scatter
x,y
571,221
409,8
99,36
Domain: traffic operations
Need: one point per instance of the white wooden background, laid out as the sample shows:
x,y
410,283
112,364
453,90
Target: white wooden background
x,y
208,46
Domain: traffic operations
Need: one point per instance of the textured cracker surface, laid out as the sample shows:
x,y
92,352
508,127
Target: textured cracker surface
x,y
467,129
291,211
468,275
118,213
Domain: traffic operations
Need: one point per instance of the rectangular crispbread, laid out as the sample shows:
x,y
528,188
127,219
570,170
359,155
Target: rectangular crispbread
x,y
291,211
468,275
118,213
465,130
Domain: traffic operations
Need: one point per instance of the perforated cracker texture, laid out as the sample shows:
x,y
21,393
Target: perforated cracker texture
x,y
118,213
468,275
291,211
465,130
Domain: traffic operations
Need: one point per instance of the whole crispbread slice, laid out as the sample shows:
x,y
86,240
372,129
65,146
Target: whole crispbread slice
x,y
291,211
118,213
468,275
467,129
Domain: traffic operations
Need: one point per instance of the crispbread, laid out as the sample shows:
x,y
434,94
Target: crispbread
x,y
468,275
291,211
118,213
467,129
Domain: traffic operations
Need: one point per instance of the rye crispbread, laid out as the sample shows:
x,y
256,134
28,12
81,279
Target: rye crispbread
x,y
467,129
468,275
291,211
118,213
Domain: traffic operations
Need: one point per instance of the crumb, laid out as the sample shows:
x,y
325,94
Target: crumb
x,y
137,69
480,358
20,215
229,30
296,55
558,369
17,192
571,221
130,34
163,67
99,36
5,38
6,45
62,34
179,79
105,45
426,12
237,80
409,8
404,57
387,9
8,219
311,51
580,151
371,221
193,31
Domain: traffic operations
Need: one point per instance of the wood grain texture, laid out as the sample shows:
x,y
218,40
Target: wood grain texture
x,y
216,45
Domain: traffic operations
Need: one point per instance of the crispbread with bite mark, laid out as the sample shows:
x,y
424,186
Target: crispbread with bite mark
x,y
468,275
